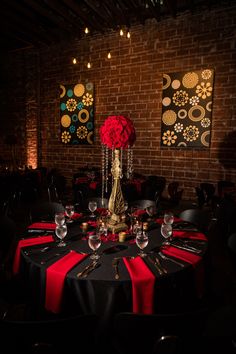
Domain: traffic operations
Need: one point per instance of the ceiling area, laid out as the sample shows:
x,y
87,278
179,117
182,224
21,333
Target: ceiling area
x,y
36,23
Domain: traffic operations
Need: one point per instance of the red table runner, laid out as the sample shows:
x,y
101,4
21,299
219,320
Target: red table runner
x,y
55,277
28,242
143,281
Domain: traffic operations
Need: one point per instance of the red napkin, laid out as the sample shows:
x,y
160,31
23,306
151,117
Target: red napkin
x,y
188,234
28,242
55,277
101,210
93,185
76,216
143,282
139,212
191,258
43,225
81,180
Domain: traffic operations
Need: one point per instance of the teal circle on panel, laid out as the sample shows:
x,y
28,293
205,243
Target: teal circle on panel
x,y
72,129
75,142
63,106
69,93
91,112
80,105
89,125
74,117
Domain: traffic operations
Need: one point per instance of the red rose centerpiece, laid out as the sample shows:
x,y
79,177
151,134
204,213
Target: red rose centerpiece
x,y
117,133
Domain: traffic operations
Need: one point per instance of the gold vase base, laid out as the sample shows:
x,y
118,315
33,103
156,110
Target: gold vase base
x,y
117,227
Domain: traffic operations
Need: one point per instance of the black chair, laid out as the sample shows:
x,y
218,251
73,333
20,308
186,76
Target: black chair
x,y
52,336
45,211
201,218
175,193
209,192
143,203
141,333
7,237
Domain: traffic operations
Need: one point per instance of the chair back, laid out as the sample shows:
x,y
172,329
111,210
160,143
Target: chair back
x,y
45,211
57,335
141,333
201,218
143,203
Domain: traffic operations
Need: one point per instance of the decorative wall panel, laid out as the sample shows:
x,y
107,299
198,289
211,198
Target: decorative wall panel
x,y
187,109
77,114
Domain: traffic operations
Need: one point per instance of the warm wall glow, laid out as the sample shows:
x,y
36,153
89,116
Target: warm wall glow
x,y
32,151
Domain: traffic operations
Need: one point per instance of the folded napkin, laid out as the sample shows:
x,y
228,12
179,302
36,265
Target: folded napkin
x,y
93,185
43,226
191,258
28,242
188,234
143,282
139,212
55,277
102,211
76,216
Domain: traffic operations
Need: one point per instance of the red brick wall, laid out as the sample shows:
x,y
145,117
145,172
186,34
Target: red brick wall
x,y
131,84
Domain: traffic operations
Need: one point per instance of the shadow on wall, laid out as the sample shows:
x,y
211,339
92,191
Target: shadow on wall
x,y
227,151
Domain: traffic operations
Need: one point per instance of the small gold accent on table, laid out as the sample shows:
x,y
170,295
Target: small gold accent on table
x,y
122,236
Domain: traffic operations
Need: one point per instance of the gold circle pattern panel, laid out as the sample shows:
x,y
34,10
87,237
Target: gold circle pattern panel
x,y
186,103
77,114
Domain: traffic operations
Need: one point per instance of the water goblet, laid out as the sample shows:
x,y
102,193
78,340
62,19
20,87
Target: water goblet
x,y
94,242
60,218
61,232
69,210
92,205
142,242
168,217
166,231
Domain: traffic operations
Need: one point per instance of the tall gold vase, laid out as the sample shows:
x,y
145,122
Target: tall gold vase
x,y
116,200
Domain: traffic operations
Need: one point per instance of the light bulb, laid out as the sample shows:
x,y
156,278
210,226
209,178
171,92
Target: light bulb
x,y
86,30
121,32
109,55
88,65
74,61
128,34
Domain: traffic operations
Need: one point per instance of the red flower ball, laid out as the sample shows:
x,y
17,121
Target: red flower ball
x,y
117,132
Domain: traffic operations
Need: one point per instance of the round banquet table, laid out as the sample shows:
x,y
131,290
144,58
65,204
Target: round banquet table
x,y
100,292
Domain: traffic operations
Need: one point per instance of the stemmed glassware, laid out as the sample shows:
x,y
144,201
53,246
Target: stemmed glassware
x,y
60,218
61,232
92,205
166,231
168,217
142,242
94,242
69,210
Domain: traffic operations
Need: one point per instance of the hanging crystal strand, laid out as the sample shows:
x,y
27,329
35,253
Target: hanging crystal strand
x,y
128,162
131,163
103,170
121,163
106,168
112,160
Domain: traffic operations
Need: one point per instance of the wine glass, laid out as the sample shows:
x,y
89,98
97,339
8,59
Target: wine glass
x,y
166,231
61,232
126,205
168,217
94,242
142,242
92,205
69,210
60,218
150,210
